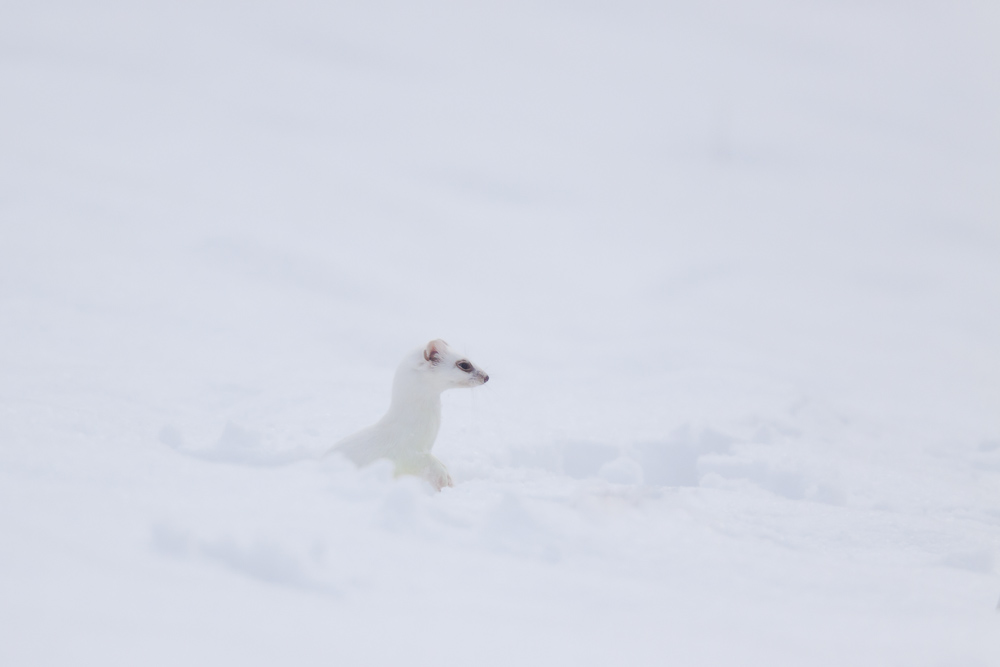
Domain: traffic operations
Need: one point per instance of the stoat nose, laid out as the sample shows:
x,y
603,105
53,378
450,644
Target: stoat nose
x,y
486,378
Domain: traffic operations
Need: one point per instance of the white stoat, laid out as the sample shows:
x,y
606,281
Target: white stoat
x,y
405,435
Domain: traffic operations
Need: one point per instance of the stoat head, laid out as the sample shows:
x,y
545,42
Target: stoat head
x,y
447,368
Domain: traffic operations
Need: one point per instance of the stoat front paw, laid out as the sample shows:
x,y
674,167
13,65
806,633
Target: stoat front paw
x,y
438,475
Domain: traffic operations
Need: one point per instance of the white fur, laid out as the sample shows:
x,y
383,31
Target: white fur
x,y
406,434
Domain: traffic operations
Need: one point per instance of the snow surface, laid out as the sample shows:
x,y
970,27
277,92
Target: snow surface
x,y
733,268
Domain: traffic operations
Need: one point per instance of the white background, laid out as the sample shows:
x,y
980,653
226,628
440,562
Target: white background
x,y
733,269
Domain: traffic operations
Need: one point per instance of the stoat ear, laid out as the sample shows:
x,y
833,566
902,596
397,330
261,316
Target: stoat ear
x,y
432,352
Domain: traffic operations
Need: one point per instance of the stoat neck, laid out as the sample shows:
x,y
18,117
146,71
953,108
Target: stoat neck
x,y
415,403
414,413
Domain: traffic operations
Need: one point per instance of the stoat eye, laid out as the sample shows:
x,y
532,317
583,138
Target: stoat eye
x,y
464,365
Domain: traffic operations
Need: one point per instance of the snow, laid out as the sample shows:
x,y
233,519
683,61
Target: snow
x,y
732,269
